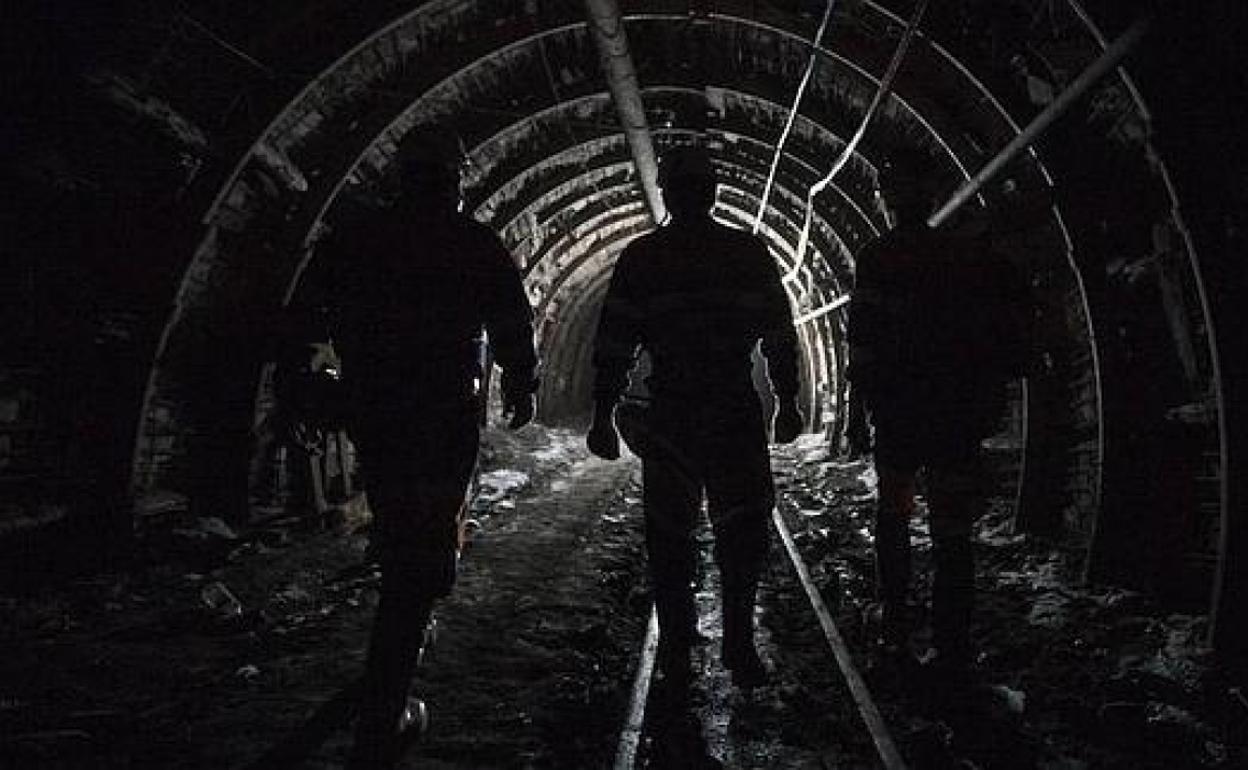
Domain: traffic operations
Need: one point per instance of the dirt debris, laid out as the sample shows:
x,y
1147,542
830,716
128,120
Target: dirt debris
x,y
1074,675
536,650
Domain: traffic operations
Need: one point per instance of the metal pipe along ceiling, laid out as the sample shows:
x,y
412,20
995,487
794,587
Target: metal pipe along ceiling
x,y
606,25
1106,64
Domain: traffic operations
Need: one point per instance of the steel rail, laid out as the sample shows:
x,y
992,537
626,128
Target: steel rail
x,y
886,748
630,736
871,717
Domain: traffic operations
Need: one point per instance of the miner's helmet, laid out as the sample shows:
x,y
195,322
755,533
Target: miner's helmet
x,y
429,160
687,180
685,165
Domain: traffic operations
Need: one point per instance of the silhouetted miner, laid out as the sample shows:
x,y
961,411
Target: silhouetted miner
x,y
698,297
934,337
410,289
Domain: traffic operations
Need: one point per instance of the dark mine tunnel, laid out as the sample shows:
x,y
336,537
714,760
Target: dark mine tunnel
x,y
190,564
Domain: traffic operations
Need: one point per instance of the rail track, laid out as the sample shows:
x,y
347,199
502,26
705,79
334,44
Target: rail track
x,y
718,701
817,714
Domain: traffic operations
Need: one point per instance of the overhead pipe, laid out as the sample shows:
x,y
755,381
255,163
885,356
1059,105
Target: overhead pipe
x,y
606,26
1106,63
788,124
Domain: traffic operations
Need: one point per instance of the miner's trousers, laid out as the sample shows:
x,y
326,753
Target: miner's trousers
x,y
718,451
417,465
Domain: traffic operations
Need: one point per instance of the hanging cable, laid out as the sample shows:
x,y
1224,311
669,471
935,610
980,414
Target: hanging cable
x,y
788,125
1107,63
885,88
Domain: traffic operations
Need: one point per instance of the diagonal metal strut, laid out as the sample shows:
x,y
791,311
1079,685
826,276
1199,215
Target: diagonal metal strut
x,y
1104,65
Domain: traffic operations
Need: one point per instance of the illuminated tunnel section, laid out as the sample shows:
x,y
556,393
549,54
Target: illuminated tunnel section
x,y
550,171
581,248
584,214
568,311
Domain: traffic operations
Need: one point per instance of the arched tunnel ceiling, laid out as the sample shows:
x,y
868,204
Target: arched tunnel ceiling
x,y
525,96
550,170
492,87
555,208
525,106
597,237
546,140
246,126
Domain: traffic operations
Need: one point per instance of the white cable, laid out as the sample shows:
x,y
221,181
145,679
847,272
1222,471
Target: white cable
x,y
788,125
886,86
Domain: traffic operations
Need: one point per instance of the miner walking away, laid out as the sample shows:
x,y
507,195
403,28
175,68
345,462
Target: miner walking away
x,y
407,291
935,336
698,297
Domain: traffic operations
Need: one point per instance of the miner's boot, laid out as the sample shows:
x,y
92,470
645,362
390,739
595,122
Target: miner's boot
x,y
953,597
892,574
954,505
740,656
414,721
947,674
385,701
428,639
678,619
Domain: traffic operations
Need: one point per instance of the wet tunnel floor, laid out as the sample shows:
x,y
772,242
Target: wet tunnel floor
x,y
537,649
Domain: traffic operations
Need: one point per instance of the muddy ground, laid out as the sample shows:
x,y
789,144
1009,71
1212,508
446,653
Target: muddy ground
x,y
538,647
1069,676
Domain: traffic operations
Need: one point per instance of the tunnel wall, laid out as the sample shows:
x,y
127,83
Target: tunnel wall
x,y
187,190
